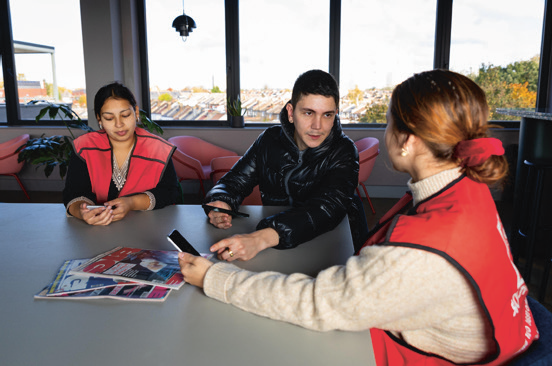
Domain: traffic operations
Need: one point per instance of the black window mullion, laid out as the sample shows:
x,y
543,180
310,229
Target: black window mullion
x,y
335,38
145,104
544,93
443,25
8,64
232,24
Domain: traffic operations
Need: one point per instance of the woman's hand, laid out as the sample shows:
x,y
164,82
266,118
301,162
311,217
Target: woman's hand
x,y
193,268
97,216
218,219
245,246
121,206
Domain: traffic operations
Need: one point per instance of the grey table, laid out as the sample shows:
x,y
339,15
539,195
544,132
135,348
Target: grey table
x,y
187,329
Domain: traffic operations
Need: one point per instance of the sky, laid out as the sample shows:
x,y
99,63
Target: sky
x,y
382,42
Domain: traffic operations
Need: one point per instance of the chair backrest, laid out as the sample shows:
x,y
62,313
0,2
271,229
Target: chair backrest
x,y
199,149
187,167
368,150
221,166
540,352
8,155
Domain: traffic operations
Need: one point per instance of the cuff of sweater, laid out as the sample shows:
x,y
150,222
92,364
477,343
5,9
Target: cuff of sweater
x,y
217,279
81,198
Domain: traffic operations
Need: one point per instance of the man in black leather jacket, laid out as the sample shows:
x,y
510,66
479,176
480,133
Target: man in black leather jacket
x,y
306,163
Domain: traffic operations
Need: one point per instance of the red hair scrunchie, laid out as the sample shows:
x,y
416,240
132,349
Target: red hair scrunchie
x,y
477,151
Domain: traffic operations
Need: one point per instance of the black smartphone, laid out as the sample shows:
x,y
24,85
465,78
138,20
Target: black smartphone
x,y
231,213
176,239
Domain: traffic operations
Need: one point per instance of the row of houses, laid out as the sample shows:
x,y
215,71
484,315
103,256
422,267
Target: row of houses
x,y
260,105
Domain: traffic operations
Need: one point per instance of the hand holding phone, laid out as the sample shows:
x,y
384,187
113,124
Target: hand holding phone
x,y
91,207
223,210
176,239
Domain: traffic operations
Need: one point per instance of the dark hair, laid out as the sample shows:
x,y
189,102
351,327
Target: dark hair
x,y
443,108
114,90
315,82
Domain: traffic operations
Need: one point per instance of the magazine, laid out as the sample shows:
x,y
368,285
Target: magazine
x,y
66,283
152,267
133,292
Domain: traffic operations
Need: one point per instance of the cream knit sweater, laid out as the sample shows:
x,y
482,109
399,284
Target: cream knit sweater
x,y
415,294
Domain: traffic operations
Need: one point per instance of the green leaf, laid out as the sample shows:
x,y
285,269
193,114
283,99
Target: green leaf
x,y
42,113
53,111
148,124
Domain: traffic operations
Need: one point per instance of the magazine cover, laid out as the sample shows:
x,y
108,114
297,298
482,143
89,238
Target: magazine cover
x,y
66,283
133,292
153,267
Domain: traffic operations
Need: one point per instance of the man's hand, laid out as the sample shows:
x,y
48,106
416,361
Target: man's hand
x,y
245,246
218,219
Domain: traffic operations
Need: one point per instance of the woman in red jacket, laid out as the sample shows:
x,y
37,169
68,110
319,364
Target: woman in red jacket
x,y
436,284
121,167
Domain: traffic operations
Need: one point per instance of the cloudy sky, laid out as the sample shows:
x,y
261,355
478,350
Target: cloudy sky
x,y
382,42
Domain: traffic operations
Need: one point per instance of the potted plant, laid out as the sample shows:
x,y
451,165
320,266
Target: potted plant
x,y
236,112
56,150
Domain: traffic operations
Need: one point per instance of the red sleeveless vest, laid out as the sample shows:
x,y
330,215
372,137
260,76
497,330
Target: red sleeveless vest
x,y
461,224
147,164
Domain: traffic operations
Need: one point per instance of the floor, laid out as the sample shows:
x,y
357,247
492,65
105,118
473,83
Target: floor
x,y
381,206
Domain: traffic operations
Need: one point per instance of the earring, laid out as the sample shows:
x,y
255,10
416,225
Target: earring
x,y
101,128
404,152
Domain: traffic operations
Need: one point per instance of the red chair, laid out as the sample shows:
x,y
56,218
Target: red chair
x,y
8,159
192,158
220,166
368,150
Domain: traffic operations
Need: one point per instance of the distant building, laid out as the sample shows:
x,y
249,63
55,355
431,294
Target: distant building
x,y
28,90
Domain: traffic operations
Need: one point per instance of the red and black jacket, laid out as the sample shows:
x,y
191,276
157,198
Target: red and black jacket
x,y
461,224
148,161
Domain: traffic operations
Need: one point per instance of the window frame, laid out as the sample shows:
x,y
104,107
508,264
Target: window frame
x,y
444,9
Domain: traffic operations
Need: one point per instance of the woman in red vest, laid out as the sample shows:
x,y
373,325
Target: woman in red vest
x,y
435,283
121,167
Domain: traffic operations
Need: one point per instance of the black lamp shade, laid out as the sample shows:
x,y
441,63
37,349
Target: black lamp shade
x,y
184,25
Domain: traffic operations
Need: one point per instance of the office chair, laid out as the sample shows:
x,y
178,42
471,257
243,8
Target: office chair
x,y
220,166
8,159
368,150
192,158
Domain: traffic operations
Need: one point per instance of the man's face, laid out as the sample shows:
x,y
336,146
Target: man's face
x,y
313,117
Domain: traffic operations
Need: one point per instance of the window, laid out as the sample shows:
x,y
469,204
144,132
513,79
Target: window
x,y
382,44
497,43
279,40
49,56
187,79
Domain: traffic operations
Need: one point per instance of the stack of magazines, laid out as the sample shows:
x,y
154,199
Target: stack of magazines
x,y
121,273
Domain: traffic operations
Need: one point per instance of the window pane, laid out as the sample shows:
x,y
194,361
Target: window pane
x,y
187,79
279,40
48,51
497,43
382,44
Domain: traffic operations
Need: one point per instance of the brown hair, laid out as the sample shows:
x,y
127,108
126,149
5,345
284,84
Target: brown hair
x,y
443,108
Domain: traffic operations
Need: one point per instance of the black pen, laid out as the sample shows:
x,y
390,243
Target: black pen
x,y
218,209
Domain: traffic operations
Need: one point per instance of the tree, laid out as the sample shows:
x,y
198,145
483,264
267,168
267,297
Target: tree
x,y
82,100
216,89
198,89
355,95
375,114
513,86
165,97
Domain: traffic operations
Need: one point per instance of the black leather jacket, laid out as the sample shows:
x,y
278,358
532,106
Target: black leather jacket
x,y
318,184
